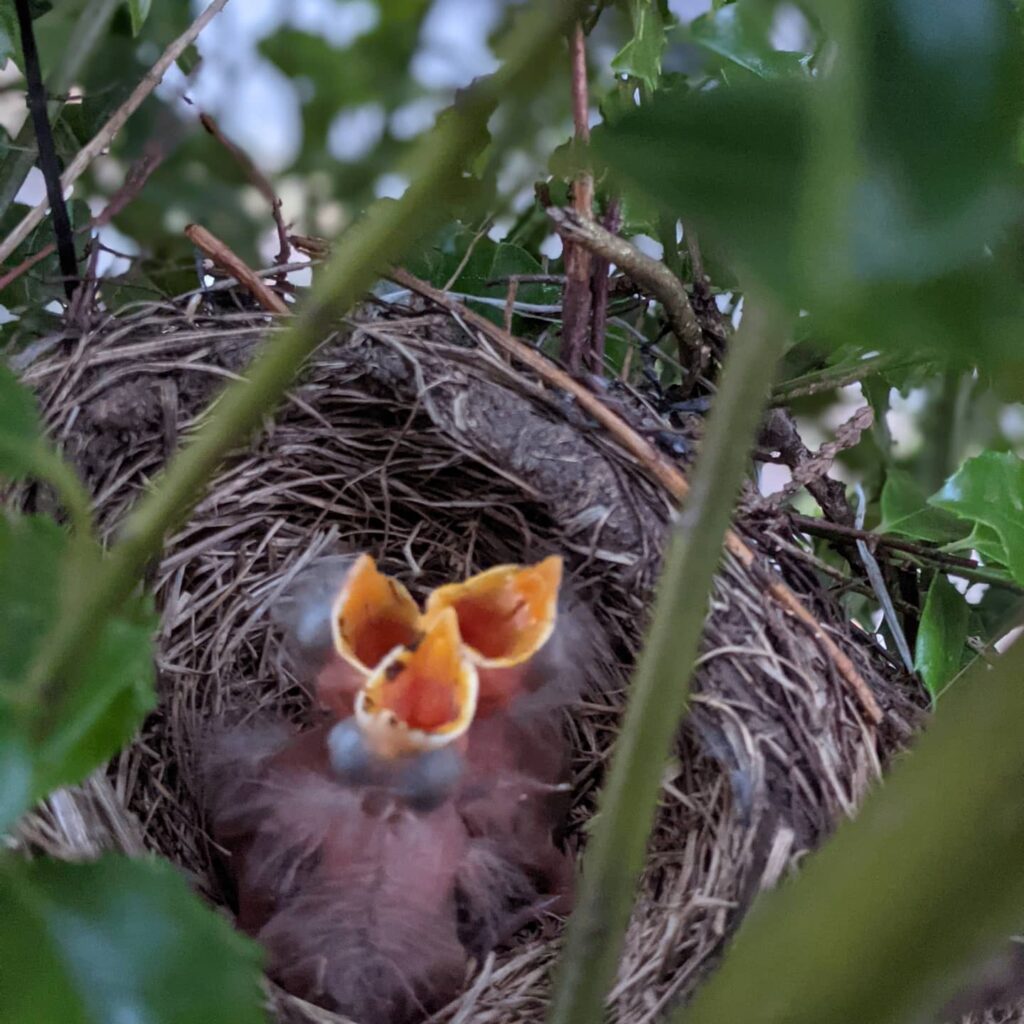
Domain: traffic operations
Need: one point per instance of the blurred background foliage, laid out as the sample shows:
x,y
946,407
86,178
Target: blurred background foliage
x,y
860,159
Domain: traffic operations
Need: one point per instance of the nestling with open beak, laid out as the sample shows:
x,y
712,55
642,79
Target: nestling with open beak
x,y
374,852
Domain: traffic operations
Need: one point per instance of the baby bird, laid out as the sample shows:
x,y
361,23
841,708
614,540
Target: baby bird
x,y
414,826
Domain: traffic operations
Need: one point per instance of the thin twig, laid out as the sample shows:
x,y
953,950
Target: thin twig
x,y
49,165
135,180
830,379
106,135
668,475
827,529
227,259
599,284
557,279
258,180
700,278
470,249
877,581
968,568
577,300
649,274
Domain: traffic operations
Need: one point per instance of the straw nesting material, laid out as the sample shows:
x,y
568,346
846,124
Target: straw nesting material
x,y
410,438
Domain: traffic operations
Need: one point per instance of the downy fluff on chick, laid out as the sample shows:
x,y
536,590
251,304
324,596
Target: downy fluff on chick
x,y
414,823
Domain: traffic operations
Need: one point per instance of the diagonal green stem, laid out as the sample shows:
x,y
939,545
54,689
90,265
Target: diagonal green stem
x,y
660,686
387,231
85,37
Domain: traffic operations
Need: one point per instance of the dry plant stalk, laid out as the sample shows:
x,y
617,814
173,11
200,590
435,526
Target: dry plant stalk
x,y
577,302
227,259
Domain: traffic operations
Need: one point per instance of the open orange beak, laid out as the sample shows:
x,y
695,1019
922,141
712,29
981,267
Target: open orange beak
x,y
372,615
422,696
506,614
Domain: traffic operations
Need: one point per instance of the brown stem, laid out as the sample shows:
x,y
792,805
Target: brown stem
x,y
649,274
226,258
780,431
612,223
824,528
577,301
137,176
259,181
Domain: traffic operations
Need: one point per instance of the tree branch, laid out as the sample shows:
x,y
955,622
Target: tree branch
x,y
649,274
578,299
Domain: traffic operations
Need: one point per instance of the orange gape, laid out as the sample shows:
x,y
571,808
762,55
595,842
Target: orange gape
x,y
429,686
376,852
506,615
373,615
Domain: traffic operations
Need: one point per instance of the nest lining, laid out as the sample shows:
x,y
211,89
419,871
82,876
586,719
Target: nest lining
x,y
410,438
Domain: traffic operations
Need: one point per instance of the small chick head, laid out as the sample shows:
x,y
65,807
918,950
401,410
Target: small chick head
x,y
422,696
506,614
372,615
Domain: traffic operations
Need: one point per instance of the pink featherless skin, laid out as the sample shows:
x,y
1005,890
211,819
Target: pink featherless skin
x,y
364,904
352,896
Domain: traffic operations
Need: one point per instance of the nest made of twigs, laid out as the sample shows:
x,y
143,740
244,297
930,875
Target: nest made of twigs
x,y
411,438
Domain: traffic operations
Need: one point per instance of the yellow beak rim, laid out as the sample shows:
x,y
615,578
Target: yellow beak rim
x,y
372,615
422,696
505,614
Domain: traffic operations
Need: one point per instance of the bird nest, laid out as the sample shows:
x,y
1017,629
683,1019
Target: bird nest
x,y
410,437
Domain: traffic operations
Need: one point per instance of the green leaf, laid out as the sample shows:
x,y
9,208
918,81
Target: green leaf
x,y
905,511
989,490
112,694
986,542
740,34
139,10
85,721
869,227
10,35
941,635
15,769
641,56
31,549
118,940
20,426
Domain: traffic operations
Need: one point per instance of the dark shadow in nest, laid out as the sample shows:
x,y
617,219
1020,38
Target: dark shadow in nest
x,y
411,439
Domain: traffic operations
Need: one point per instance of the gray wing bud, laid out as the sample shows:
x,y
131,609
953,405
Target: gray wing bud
x,y
303,611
